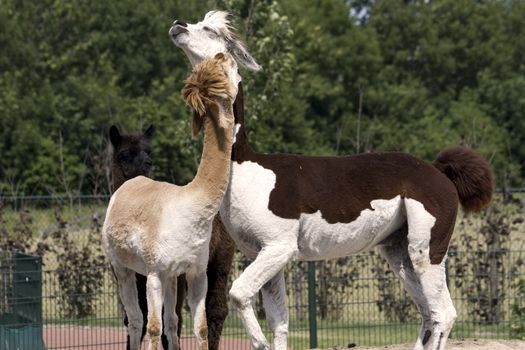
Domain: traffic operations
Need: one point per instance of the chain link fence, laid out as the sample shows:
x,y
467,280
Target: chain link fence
x,y
352,300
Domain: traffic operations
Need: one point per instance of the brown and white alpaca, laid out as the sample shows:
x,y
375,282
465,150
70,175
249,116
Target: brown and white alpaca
x,y
280,207
163,230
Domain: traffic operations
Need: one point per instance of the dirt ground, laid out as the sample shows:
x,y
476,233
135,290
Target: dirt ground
x,y
88,338
467,344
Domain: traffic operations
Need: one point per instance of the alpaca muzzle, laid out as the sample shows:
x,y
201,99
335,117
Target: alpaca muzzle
x,y
177,29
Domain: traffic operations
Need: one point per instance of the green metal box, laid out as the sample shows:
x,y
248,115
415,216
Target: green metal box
x,y
21,303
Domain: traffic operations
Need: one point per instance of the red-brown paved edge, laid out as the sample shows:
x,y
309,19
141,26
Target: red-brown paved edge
x,y
99,338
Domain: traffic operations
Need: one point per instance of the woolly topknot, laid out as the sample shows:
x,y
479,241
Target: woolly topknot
x,y
471,175
208,82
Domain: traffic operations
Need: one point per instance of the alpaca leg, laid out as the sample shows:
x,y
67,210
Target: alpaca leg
x,y
170,314
155,294
216,304
197,288
128,296
181,298
219,266
442,310
269,262
275,306
442,313
143,302
431,278
396,254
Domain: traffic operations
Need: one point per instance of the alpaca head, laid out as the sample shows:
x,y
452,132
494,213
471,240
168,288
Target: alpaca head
x,y
131,153
206,38
212,83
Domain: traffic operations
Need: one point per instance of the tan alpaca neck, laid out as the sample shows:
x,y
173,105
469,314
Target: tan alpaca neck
x,y
214,169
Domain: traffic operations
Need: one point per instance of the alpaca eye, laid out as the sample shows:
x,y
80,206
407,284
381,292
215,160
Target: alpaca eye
x,y
210,31
124,157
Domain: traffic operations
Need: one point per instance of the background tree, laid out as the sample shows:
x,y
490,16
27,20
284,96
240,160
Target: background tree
x,y
339,77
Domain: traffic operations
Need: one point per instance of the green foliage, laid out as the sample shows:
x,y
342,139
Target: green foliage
x,y
15,235
81,267
485,280
338,77
80,261
517,326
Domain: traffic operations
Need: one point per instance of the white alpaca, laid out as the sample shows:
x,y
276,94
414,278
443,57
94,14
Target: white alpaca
x,y
281,206
162,230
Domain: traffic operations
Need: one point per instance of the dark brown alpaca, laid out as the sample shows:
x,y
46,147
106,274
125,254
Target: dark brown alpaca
x,y
132,157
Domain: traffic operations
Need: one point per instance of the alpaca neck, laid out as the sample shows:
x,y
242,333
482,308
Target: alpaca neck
x,y
214,168
117,178
241,148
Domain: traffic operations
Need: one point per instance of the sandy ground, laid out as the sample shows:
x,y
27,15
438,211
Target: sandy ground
x,y
467,344
89,338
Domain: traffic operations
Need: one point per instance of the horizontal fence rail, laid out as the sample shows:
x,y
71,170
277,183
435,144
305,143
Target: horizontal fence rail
x,y
353,300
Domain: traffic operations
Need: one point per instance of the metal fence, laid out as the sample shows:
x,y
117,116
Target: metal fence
x,y
353,300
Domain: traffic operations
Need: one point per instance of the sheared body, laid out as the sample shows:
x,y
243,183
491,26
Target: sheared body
x,y
162,230
282,206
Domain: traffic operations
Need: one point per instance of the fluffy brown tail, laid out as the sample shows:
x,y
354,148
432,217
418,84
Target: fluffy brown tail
x,y
470,173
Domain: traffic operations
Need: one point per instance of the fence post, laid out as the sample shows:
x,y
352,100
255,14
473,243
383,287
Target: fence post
x,y
447,281
312,305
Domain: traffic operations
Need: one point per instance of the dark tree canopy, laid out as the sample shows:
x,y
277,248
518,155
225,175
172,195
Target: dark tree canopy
x,y
338,77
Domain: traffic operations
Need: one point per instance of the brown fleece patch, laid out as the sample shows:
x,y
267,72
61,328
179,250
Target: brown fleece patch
x,y
341,187
222,249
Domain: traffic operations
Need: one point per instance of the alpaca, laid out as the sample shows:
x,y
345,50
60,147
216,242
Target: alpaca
x,y
163,230
132,157
222,249
280,207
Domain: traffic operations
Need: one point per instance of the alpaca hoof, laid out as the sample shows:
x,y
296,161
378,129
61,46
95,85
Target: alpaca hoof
x,y
263,346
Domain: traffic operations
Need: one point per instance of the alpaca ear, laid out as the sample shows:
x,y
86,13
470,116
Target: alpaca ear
x,y
197,123
241,56
149,132
214,111
220,56
114,136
